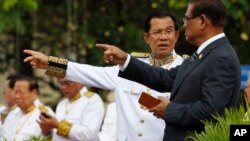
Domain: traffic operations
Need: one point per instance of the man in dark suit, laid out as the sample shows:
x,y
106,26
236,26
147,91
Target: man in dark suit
x,y
204,85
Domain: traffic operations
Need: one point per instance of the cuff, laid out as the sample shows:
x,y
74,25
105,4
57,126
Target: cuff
x,y
57,67
124,66
63,128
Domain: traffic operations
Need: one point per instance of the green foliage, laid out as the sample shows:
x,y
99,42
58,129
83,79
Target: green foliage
x,y
8,5
220,130
181,4
12,13
39,138
36,138
10,21
237,8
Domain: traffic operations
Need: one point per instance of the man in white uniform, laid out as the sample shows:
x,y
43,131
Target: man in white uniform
x,y
9,99
134,122
78,116
22,123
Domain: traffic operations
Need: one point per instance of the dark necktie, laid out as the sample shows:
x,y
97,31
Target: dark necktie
x,y
192,58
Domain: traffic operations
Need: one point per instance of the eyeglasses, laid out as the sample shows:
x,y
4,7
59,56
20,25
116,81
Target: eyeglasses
x,y
186,18
158,33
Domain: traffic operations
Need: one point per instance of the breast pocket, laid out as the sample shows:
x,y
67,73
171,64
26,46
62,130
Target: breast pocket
x,y
132,88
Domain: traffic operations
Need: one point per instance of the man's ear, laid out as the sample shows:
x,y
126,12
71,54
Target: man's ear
x,y
177,34
35,93
204,20
146,38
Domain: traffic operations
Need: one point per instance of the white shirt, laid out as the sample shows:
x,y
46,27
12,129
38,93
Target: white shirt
x,y
85,114
133,122
206,43
20,126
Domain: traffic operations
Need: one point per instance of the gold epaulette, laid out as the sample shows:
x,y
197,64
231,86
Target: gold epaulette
x,y
185,56
57,67
74,98
30,109
140,54
43,109
89,94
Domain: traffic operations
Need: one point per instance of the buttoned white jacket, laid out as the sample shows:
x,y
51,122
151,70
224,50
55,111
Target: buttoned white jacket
x,y
85,114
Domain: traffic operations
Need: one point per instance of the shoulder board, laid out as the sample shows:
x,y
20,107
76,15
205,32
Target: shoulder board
x,y
42,108
185,56
140,54
89,94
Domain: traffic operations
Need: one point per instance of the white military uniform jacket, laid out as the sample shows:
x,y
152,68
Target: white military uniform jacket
x,y
109,125
20,126
134,123
85,114
2,108
3,113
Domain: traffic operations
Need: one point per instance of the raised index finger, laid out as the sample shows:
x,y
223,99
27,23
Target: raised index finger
x,y
104,46
30,52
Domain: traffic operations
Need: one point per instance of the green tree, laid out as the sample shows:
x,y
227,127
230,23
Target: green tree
x,y
15,17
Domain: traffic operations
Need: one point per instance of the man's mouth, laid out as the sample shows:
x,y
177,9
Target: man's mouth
x,y
163,45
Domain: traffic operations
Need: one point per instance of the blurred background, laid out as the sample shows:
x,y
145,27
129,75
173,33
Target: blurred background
x,y
70,29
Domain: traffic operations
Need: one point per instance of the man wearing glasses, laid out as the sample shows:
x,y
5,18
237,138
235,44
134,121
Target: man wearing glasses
x,y
203,85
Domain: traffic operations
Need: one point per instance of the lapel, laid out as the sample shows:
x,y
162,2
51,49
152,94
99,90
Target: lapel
x,y
184,71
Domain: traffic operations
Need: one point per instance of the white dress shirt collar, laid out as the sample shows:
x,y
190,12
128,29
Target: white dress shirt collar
x,y
206,43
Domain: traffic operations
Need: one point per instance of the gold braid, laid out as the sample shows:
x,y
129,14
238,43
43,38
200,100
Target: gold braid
x,y
57,67
63,128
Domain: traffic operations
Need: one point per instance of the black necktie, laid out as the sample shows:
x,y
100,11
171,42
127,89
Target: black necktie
x,y
192,58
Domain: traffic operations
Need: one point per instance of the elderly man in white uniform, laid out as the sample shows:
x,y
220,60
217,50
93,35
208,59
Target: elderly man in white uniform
x,y
22,123
78,116
134,122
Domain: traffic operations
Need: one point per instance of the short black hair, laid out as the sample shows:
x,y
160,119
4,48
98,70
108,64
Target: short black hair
x,y
147,22
214,9
33,84
12,79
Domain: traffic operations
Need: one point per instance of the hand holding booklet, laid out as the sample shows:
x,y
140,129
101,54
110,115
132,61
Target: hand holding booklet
x,y
148,101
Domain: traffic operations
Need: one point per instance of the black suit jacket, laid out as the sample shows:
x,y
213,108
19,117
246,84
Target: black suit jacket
x,y
207,86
